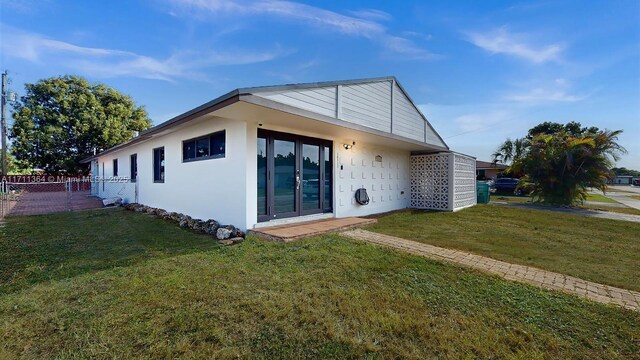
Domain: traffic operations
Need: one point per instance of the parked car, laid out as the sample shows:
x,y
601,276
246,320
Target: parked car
x,y
636,182
509,185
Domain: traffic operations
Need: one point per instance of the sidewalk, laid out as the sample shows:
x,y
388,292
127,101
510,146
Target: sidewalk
x,y
585,212
526,274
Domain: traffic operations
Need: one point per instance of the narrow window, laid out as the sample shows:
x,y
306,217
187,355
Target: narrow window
x,y
115,167
217,144
133,167
210,146
158,165
202,147
188,150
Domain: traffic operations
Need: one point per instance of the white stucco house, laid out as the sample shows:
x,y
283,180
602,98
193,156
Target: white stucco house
x,y
266,155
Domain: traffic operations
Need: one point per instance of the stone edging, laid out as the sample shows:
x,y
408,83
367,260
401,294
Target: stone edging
x,y
225,234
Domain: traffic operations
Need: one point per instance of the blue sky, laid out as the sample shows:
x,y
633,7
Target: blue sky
x,y
481,71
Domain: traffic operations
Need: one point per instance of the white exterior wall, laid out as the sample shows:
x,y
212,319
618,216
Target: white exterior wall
x,y
407,121
366,104
319,100
206,189
387,182
381,105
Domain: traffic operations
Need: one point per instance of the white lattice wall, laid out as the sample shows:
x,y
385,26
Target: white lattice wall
x,y
430,181
443,181
464,181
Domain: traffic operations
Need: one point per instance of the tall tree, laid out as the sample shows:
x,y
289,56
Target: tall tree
x,y
560,166
61,120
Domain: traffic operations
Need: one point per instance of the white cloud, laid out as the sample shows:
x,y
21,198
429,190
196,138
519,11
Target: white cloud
x,y
502,41
371,14
103,62
557,90
364,26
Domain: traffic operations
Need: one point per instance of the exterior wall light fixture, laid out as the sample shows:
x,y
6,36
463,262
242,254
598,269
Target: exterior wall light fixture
x,y
348,146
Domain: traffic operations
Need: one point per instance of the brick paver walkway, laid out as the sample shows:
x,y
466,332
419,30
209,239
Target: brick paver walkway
x,y
526,274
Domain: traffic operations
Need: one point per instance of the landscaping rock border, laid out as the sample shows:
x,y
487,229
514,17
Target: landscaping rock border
x,y
225,234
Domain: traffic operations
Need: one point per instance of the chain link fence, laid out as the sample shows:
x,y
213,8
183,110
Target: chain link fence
x,y
49,197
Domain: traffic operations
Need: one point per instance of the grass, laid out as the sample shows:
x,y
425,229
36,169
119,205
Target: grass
x,y
600,250
621,210
82,285
600,198
511,199
635,197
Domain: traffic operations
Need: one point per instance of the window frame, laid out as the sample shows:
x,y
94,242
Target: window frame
x,y
115,167
133,162
209,157
158,180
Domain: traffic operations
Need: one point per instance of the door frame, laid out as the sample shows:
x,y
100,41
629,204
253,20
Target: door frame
x,y
298,140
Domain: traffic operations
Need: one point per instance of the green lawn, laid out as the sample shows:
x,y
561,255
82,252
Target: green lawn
x,y
117,284
600,198
600,250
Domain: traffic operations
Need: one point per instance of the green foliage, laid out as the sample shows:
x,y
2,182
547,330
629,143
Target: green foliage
x,y
14,166
549,128
625,172
559,162
61,120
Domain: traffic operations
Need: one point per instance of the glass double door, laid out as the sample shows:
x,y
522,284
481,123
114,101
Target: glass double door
x,y
294,175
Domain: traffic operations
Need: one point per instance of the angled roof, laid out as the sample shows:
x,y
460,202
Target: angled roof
x,y
406,109
485,165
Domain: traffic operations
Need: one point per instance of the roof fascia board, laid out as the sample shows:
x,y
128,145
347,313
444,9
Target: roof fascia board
x,y
313,85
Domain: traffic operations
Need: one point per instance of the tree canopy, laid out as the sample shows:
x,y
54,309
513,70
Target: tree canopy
x,y
573,128
623,171
61,120
560,162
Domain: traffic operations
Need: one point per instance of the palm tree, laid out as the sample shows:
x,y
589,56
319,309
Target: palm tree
x,y
560,167
510,150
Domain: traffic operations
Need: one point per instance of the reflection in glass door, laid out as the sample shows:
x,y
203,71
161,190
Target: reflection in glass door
x,y
262,176
285,178
293,175
310,177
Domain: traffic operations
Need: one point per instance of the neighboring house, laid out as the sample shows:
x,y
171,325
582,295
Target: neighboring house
x,y
622,180
255,156
488,170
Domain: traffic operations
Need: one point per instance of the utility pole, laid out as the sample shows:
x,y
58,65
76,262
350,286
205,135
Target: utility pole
x,y
3,124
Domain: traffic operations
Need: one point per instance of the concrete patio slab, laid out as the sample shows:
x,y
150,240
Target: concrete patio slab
x,y
290,232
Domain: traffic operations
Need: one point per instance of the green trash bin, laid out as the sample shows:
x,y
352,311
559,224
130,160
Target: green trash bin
x,y
483,192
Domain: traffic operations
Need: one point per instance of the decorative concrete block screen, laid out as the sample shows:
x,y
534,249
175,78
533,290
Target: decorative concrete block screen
x,y
464,182
443,181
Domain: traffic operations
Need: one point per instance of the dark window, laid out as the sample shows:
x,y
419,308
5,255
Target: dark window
x,y
211,146
133,166
158,164
115,167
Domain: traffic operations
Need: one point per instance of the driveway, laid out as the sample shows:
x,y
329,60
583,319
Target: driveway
x,y
624,195
585,212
